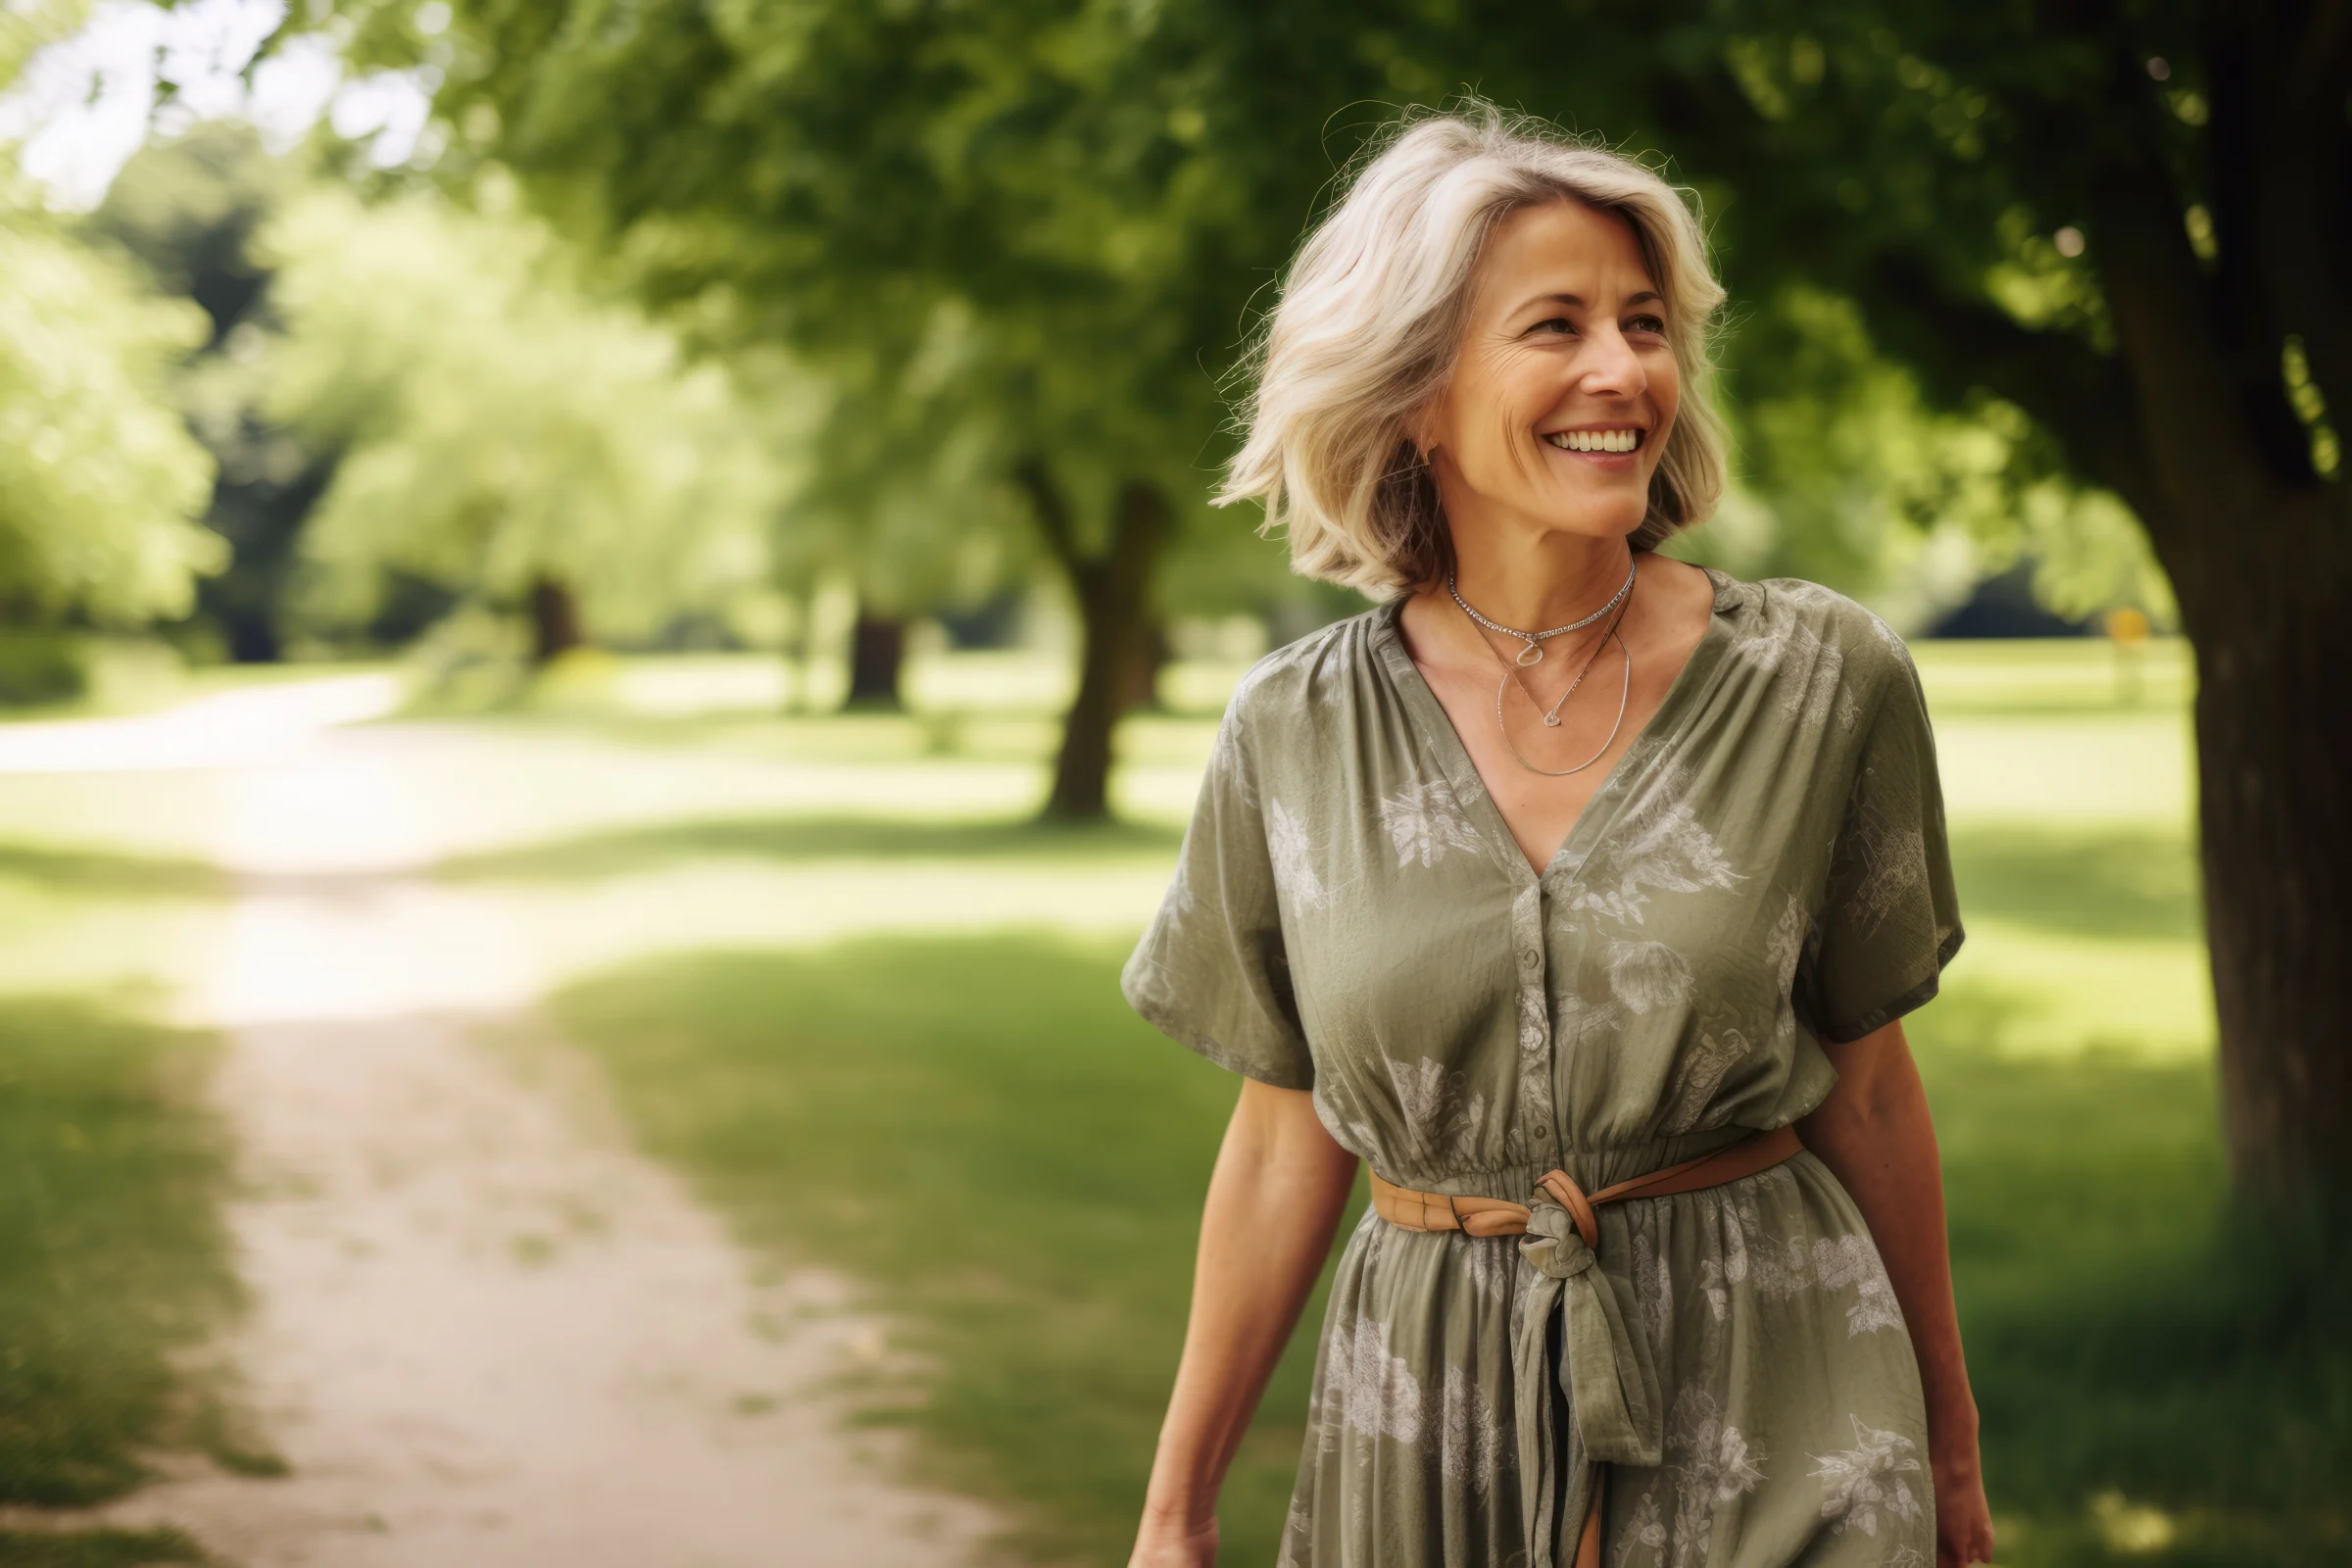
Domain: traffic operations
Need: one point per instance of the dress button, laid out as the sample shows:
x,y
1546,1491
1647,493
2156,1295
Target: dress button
x,y
1529,958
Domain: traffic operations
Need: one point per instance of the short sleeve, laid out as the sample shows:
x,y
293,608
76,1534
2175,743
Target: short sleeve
x,y
1211,972
1890,920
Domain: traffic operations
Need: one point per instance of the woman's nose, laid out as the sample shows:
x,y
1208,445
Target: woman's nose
x,y
1609,364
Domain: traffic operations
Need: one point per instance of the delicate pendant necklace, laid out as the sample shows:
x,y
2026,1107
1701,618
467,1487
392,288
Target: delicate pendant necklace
x,y
1550,715
1533,654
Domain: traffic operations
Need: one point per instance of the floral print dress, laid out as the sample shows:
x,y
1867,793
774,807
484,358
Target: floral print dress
x,y
1764,869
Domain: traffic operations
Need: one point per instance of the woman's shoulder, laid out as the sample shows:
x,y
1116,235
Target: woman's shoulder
x,y
1294,679
1796,611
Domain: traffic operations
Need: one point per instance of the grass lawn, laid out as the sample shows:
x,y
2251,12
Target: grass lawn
x,y
975,1123
876,1021
97,1548
113,1266
115,1271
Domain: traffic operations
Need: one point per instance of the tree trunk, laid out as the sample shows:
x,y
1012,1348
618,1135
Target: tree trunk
x,y
1113,593
1140,686
2275,755
877,652
554,620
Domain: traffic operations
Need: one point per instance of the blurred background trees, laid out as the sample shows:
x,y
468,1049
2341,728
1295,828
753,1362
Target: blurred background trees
x,y
100,482
1997,266
505,437
647,305
188,209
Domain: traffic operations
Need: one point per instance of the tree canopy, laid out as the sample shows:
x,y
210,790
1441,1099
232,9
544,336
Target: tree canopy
x,y
506,434
1991,260
100,482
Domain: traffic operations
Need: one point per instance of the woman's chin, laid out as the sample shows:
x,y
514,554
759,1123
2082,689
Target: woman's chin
x,y
1595,518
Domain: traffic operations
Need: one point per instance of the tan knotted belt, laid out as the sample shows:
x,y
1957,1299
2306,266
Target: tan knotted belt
x,y
1605,1368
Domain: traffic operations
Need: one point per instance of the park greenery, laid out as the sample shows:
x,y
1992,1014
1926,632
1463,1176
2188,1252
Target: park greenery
x,y
101,484
501,435
685,312
970,1121
2095,231
115,1275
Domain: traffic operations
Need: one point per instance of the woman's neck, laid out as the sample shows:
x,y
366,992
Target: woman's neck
x,y
1540,584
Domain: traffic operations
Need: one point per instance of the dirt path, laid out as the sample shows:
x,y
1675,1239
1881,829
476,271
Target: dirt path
x,y
487,1333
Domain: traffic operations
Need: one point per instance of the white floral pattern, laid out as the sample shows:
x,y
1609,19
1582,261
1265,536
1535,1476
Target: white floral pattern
x,y
1444,1119
1718,1050
1843,1260
1645,1532
1708,1463
1469,1433
1661,846
1425,824
1783,1266
1293,857
1367,1390
1893,862
1649,975
1809,669
1864,1487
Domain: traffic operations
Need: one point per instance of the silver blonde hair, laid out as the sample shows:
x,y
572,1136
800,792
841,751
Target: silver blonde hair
x,y
1365,331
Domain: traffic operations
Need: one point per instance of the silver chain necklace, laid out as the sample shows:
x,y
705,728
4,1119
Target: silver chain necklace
x,y
1534,643
1535,640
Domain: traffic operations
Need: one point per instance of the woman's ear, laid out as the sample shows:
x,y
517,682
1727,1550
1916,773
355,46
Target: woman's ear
x,y
1420,428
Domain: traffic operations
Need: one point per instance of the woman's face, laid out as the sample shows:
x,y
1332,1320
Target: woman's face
x,y
1564,388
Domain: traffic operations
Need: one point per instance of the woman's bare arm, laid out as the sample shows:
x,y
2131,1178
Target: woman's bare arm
x,y
1274,1201
1875,1134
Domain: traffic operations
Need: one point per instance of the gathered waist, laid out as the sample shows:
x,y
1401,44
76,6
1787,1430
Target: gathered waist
x,y
1492,1213
1602,1363
1592,1168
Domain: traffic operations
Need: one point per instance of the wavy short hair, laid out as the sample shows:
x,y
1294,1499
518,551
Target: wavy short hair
x,y
1369,320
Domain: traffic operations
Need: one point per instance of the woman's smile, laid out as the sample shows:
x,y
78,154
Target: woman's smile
x,y
1602,445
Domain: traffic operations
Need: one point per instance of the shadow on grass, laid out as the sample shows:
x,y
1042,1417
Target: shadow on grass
x,y
980,1126
113,1262
99,871
2134,1342
804,838
2112,882
96,1548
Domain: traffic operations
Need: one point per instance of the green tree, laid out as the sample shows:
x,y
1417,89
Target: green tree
x,y
2113,233
100,482
506,434
188,208
986,219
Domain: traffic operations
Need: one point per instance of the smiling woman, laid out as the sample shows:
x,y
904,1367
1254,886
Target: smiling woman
x,y
1373,318
1605,992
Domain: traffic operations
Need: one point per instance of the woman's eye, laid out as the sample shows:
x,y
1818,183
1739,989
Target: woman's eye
x,y
1646,324
1558,324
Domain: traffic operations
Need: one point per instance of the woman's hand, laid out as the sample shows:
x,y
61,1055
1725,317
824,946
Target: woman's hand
x,y
1274,1201
1963,1518
1875,1134
1175,1544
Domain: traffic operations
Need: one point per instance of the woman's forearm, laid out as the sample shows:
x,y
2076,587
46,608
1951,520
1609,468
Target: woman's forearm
x,y
1274,1201
1874,1133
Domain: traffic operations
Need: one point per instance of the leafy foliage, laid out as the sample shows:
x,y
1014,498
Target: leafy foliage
x,y
503,426
100,483
188,208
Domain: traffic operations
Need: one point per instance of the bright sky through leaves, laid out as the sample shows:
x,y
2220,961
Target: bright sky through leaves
x,y
85,104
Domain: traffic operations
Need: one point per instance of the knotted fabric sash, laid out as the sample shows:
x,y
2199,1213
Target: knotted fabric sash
x,y
1605,1368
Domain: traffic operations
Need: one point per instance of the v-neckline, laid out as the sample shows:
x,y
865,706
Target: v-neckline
x,y
1454,755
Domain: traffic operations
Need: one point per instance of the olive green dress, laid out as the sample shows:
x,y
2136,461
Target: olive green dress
x,y
1765,868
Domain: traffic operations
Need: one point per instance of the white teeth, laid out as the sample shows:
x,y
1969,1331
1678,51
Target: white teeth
x,y
1595,440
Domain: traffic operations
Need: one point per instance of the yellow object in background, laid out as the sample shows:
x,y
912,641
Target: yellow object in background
x,y
2128,629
